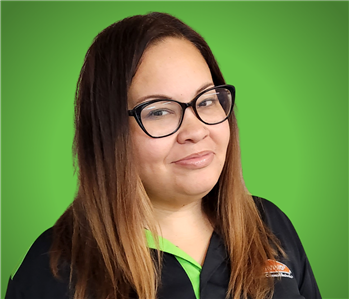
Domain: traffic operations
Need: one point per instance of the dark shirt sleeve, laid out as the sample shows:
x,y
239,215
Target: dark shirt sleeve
x,y
34,279
283,229
13,292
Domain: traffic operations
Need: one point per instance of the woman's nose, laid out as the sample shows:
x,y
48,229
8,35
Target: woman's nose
x,y
192,128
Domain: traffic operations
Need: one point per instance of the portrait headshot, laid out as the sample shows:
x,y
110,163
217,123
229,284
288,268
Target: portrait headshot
x,y
167,150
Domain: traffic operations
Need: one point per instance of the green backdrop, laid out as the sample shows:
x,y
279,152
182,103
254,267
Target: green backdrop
x,y
289,63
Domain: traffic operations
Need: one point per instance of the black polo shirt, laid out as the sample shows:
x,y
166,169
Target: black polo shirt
x,y
182,277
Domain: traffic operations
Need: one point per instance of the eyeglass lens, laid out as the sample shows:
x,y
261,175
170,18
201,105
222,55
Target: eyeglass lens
x,y
164,117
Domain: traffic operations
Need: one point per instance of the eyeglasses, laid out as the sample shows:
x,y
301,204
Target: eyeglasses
x,y
163,117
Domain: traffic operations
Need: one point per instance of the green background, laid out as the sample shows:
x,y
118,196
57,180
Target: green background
x,y
289,63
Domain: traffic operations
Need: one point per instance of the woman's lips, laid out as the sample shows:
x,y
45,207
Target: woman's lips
x,y
197,160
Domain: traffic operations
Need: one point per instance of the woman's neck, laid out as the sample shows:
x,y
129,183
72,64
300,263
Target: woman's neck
x,y
187,227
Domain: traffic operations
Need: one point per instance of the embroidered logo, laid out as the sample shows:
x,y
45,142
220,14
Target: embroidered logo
x,y
277,269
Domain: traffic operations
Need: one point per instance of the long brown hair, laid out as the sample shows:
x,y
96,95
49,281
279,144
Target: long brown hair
x,y
101,235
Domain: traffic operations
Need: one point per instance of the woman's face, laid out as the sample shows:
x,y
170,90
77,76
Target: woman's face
x,y
186,165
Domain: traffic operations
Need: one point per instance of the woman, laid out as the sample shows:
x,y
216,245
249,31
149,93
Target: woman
x,y
158,155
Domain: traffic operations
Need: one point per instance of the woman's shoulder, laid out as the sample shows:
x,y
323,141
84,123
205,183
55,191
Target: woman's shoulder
x,y
279,224
41,246
296,261
273,217
34,278
37,256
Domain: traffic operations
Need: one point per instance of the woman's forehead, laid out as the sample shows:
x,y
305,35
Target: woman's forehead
x,y
173,66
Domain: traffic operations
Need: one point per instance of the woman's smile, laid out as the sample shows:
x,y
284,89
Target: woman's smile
x,y
196,161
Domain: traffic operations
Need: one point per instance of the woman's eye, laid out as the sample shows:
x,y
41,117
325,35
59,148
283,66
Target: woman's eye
x,y
158,113
206,103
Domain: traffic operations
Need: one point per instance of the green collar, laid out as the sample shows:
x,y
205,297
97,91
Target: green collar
x,y
190,266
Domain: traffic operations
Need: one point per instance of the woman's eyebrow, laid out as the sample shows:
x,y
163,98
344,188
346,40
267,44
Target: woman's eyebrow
x,y
153,96
164,97
210,84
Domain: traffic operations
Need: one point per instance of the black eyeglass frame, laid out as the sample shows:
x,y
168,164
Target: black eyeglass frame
x,y
136,111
